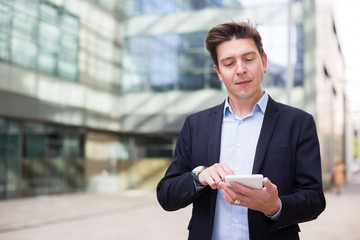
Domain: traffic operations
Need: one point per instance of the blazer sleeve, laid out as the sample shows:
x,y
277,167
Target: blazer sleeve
x,y
176,189
306,200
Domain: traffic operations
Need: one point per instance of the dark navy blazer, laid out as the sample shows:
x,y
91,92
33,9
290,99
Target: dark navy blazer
x,y
287,153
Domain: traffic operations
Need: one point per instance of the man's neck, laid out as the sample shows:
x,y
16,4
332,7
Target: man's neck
x,y
241,107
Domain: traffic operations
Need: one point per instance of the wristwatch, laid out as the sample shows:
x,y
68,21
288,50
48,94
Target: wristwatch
x,y
195,173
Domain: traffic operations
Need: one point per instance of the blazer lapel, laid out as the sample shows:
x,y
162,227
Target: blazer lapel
x,y
270,119
214,151
215,135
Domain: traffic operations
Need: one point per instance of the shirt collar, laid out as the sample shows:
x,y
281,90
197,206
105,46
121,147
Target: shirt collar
x,y
261,105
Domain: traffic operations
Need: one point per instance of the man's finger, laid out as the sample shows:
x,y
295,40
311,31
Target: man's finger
x,y
268,185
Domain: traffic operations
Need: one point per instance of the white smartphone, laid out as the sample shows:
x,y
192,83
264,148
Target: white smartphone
x,y
251,181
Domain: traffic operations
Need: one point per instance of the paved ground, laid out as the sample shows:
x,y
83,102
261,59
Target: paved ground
x,y
137,215
340,220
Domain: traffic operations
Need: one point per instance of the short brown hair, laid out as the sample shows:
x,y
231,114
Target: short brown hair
x,y
226,31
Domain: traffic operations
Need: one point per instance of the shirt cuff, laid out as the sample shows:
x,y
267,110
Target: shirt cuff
x,y
276,215
198,187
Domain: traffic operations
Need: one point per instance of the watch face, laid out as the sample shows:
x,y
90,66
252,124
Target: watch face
x,y
198,169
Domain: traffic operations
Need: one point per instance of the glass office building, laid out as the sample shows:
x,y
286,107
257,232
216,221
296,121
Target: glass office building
x,y
93,93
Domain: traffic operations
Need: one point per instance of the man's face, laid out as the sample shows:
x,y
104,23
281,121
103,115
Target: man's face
x,y
241,68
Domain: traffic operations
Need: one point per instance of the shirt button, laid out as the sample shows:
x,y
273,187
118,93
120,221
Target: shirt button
x,y
238,145
235,221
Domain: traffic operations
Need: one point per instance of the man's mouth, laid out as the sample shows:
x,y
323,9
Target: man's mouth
x,y
243,82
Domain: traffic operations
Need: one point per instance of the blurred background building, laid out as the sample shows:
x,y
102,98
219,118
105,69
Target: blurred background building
x,y
93,93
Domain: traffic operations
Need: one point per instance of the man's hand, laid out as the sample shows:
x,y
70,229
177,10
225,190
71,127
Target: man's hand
x,y
215,175
265,200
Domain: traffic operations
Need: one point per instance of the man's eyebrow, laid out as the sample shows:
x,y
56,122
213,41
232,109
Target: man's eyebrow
x,y
249,53
242,55
228,58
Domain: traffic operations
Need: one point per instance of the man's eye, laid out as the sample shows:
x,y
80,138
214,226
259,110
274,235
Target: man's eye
x,y
228,64
249,59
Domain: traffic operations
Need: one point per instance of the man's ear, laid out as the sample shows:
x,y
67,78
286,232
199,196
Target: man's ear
x,y
218,73
264,61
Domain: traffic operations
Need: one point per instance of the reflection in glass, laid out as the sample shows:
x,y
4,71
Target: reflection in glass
x,y
49,13
13,175
275,40
167,62
33,164
3,143
275,75
191,81
299,55
24,53
134,8
75,160
261,3
164,73
33,33
67,68
24,26
70,24
47,62
55,161
52,159
49,36
174,61
4,46
9,159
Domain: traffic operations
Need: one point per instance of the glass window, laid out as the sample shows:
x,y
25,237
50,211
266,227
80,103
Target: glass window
x,y
166,62
28,6
49,36
75,161
5,16
3,150
191,81
158,6
213,80
9,159
12,175
24,25
299,55
69,44
4,46
70,24
143,7
133,82
143,159
55,161
49,13
149,59
189,60
275,40
67,67
260,3
24,53
5,23
47,62
163,76
41,36
33,164
52,159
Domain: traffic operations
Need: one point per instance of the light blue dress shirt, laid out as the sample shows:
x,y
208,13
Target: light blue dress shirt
x,y
239,139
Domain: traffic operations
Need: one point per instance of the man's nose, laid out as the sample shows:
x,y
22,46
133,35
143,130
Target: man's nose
x,y
241,68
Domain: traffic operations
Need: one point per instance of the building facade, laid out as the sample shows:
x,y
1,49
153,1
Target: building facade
x,y
94,92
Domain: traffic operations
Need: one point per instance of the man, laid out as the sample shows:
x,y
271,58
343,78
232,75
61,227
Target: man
x,y
249,133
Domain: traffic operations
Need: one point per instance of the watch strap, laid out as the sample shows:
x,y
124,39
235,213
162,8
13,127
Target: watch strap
x,y
195,174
